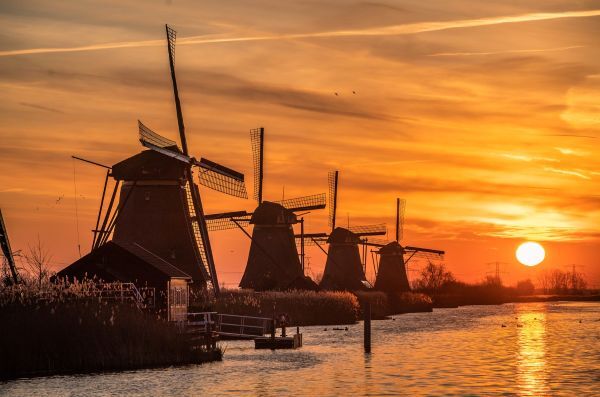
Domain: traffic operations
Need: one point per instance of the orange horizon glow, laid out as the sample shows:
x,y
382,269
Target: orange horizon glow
x,y
486,119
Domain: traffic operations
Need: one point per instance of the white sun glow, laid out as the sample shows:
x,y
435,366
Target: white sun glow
x,y
530,253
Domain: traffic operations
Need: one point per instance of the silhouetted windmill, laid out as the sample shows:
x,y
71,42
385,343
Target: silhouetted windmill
x,y
343,269
160,207
12,275
273,260
391,273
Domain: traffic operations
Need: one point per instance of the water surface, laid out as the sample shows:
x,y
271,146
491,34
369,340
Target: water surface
x,y
524,349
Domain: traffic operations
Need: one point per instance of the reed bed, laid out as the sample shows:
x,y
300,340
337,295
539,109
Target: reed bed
x,y
301,307
68,329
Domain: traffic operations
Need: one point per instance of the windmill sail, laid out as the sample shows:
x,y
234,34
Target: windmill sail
x,y
221,178
369,230
7,251
332,179
225,220
212,175
305,203
257,139
149,136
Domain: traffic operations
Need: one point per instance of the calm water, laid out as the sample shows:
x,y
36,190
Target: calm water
x,y
544,349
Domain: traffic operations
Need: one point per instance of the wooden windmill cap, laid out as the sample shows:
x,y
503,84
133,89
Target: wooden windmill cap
x,y
393,248
149,165
342,235
269,213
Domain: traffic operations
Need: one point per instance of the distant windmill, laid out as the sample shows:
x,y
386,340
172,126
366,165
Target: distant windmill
x,y
343,269
273,261
13,274
160,207
391,272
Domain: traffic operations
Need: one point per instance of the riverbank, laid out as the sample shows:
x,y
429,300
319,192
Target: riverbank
x,y
305,308
452,301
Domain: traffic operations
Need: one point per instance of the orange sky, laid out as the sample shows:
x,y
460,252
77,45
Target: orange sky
x,y
484,116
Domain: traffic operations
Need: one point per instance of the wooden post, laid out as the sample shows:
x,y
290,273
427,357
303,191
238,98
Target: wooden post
x,y
367,332
273,325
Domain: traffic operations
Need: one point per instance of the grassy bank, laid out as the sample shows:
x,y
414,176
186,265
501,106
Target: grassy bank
x,y
301,307
316,308
63,330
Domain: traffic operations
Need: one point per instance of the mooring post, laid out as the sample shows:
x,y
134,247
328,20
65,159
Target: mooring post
x,y
273,325
367,321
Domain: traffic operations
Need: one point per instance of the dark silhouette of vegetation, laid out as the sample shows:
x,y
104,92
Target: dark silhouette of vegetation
x,y
66,328
302,307
559,282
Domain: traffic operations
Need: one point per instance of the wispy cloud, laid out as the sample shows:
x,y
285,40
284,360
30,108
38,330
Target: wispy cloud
x,y
570,152
567,172
40,107
394,30
526,51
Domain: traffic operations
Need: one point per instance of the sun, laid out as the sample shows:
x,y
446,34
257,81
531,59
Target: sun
x,y
530,253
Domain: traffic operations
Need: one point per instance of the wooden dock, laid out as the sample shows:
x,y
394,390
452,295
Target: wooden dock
x,y
281,342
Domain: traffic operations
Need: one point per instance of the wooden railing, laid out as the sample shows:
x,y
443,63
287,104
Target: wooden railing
x,y
229,325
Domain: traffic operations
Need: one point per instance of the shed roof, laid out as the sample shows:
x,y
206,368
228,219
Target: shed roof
x,y
154,260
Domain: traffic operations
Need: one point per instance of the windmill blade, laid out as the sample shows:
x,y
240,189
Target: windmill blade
x,y
375,242
7,251
332,181
227,215
257,139
369,230
171,38
221,178
226,223
425,253
224,220
147,135
311,238
305,203
158,143
400,210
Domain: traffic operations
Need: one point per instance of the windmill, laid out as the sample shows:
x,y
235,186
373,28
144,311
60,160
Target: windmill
x,y
9,259
391,272
343,269
159,206
273,260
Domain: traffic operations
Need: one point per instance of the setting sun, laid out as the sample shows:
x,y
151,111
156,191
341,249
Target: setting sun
x,y
530,253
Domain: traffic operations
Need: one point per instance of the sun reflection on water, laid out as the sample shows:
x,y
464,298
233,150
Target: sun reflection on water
x,y
531,358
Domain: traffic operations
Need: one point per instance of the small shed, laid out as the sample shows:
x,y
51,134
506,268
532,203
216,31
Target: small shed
x,y
132,263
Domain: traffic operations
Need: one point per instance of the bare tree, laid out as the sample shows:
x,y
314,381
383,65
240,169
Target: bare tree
x,y
38,260
433,277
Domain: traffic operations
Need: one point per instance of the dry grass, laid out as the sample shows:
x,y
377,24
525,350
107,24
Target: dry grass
x,y
301,307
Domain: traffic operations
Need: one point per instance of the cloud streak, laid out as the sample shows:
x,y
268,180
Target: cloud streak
x,y
394,30
526,51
